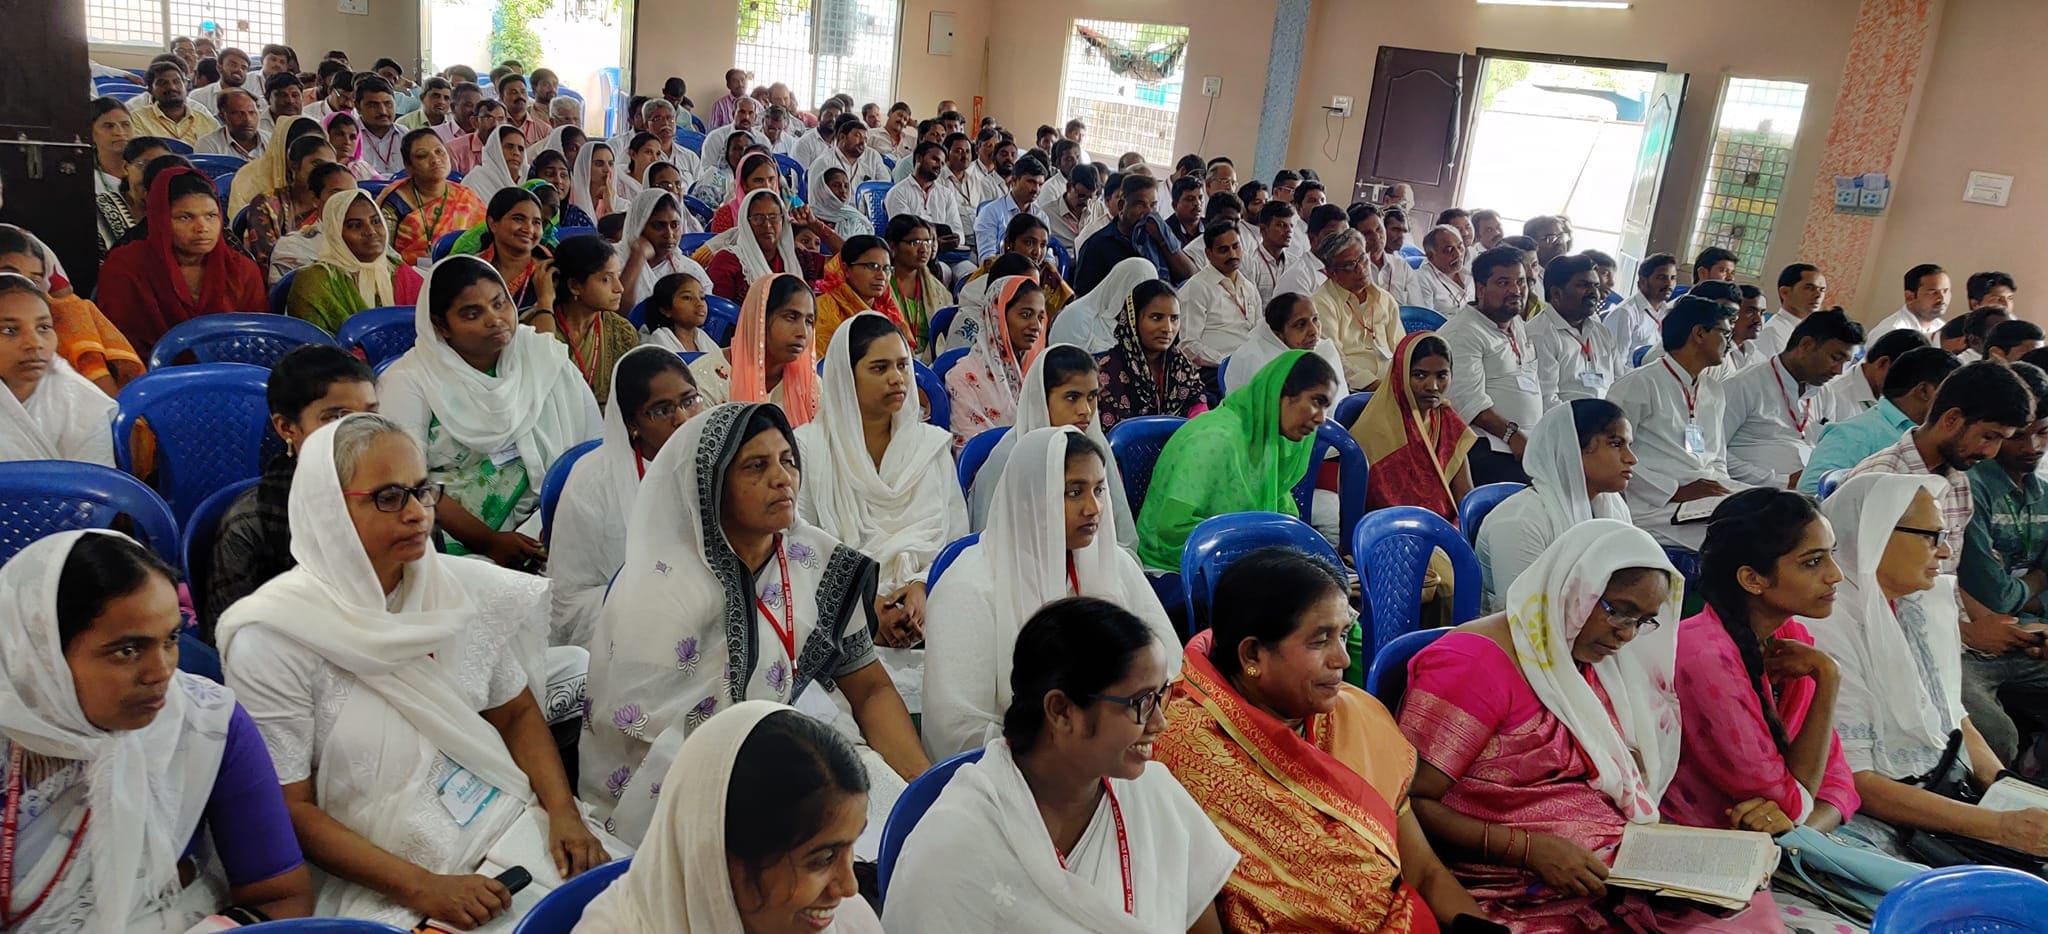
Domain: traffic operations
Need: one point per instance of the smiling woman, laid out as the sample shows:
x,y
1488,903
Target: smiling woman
x,y
355,269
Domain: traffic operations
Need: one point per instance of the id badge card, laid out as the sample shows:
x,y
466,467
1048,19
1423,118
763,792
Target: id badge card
x,y
1525,380
465,795
1592,379
1695,439
505,455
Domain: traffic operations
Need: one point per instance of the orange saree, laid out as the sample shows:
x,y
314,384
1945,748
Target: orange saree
x,y
1315,814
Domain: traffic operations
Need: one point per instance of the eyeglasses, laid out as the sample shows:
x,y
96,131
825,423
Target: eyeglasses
x,y
664,411
874,267
764,218
1554,238
1936,538
391,498
1141,706
1345,267
1640,624
922,241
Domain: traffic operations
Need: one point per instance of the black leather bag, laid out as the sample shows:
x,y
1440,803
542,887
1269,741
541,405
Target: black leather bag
x,y
1938,848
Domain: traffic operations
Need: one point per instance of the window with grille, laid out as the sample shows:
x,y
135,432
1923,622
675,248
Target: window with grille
x,y
1123,81
820,48
246,24
1754,130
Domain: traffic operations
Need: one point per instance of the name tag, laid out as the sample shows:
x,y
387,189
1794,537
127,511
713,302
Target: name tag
x,y
1592,379
1695,439
505,455
465,795
1525,380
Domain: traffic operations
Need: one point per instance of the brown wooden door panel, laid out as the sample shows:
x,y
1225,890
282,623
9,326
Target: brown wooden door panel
x,y
1415,122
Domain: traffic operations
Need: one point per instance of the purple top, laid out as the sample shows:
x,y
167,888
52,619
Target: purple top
x,y
252,832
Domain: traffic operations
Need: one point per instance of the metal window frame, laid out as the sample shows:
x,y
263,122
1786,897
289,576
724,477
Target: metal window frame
x,y
164,19
1067,61
1698,233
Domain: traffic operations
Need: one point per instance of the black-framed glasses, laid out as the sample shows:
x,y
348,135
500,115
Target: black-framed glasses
x,y
1141,706
392,497
1640,624
1935,537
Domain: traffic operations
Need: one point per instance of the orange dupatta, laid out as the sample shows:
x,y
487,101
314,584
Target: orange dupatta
x,y
1310,813
749,354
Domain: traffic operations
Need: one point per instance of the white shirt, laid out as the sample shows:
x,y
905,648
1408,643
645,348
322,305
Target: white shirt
x,y
1393,275
986,185
1217,314
1776,335
714,141
1636,324
686,162
1291,272
937,204
1660,400
1430,288
807,149
219,143
1573,363
318,110
1843,398
870,168
209,96
1071,229
963,192
1492,370
1903,318
1767,424
387,156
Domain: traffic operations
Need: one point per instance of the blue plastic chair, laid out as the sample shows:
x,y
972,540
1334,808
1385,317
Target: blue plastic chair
x,y
869,197
557,478
322,926
689,242
560,909
1678,292
176,145
1137,442
201,530
1220,540
564,233
697,123
195,657
215,165
444,244
1387,679
936,397
690,140
235,337
282,292
1613,298
946,557
794,176
1061,256
1417,318
975,453
699,208
948,360
942,321
1349,409
224,184
1410,249
1351,477
638,316
381,333
1478,503
1414,262
374,187
1635,358
40,498
1831,479
909,809
1391,550
210,421
721,318
1965,898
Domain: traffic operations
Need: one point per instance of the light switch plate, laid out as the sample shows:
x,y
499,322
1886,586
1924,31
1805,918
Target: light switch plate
x,y
1212,86
353,7
1340,106
1988,188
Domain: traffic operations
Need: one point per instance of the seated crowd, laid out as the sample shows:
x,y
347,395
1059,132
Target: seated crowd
x,y
433,673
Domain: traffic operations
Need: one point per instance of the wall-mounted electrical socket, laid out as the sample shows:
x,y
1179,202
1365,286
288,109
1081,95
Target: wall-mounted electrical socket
x,y
1340,106
1212,86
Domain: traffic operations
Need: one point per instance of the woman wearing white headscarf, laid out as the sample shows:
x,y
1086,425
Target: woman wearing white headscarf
x,y
117,761
394,688
899,508
1894,637
727,595
1089,322
1290,323
1043,542
832,204
1060,390
47,411
797,789
1578,461
353,269
595,182
753,248
653,394
648,244
493,171
493,402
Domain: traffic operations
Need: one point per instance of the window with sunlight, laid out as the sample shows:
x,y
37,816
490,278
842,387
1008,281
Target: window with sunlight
x,y
245,24
581,41
1754,131
1123,80
820,48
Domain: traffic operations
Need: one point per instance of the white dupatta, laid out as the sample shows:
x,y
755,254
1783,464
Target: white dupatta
x,y
1557,473
373,280
67,417
579,180
491,173
1034,412
1548,606
1263,347
740,240
1089,321
147,789
638,213
900,513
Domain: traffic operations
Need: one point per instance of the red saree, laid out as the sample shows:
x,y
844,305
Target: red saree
x,y
1413,452
143,293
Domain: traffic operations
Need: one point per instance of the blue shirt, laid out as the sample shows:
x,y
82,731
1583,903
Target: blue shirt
x,y
1847,443
993,218
2007,536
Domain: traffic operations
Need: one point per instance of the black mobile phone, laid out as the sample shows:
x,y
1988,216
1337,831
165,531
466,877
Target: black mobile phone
x,y
514,879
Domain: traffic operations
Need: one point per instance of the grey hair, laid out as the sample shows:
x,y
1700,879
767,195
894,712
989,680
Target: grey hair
x,y
565,106
353,436
1336,242
647,110
1441,229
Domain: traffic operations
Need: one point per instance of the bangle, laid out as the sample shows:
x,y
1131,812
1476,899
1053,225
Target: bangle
x,y
1486,843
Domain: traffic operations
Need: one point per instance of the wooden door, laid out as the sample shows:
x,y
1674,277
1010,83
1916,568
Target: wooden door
x,y
1415,124
45,132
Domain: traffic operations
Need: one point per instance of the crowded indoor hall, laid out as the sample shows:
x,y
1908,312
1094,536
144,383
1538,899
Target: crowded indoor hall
x,y
533,467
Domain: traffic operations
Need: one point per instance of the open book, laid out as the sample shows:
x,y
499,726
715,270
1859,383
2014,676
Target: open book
x,y
1696,510
524,844
2013,794
1723,868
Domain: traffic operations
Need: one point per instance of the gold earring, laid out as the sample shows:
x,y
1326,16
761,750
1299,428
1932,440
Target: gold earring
x,y
1253,671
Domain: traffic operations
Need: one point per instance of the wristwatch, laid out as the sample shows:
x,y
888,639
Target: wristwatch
x,y
1511,431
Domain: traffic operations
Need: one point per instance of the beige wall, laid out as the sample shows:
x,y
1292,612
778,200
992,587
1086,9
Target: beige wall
x,y
1806,40
1978,112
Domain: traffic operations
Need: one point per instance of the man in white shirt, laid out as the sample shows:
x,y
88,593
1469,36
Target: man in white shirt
x,y
1639,320
1078,132
1222,206
1927,291
1678,450
340,97
775,127
746,118
1494,383
1389,271
1858,389
239,134
1071,215
990,180
1020,198
377,111
922,195
1442,284
1361,319
1801,290
1218,306
1575,356
850,154
1461,220
564,111
812,146
1275,265
234,75
1768,426
1065,155
661,121
1221,177
1486,229
959,155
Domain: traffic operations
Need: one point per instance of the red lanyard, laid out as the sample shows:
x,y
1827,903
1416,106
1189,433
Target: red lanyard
x,y
785,628
1805,405
1514,345
640,464
1073,580
575,356
1123,849
18,785
1229,288
1691,395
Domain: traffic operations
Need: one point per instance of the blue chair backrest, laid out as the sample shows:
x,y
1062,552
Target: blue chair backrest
x,y
564,233
1391,549
1060,255
1410,249
1220,540
935,395
1137,442
946,361
41,498
1349,409
560,909
281,291
794,176
910,808
941,322
1829,480
1635,358
382,333
373,186
946,557
1613,298
1678,292
1964,898
1417,318
699,208
444,244
721,317
210,422
215,165
225,183
1473,509
1414,262
870,197
236,337
322,926
975,453
1351,476
195,657
689,242
1387,679
690,140
201,530
638,316
176,145
557,478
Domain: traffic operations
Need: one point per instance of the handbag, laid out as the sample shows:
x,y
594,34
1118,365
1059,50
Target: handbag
x,y
1939,848
1847,879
